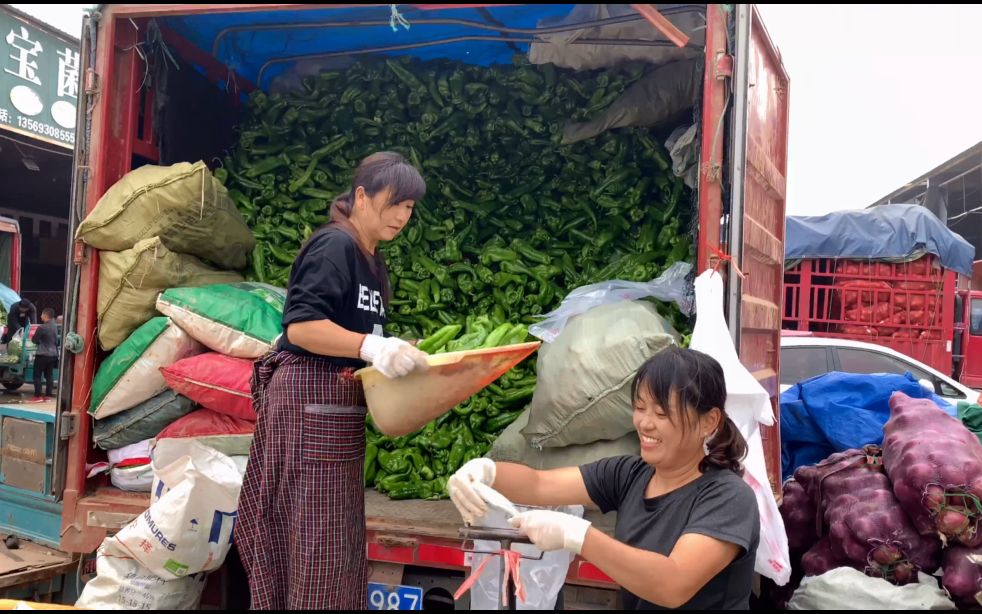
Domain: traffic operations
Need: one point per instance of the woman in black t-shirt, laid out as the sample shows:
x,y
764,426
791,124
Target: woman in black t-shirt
x,y
301,519
687,525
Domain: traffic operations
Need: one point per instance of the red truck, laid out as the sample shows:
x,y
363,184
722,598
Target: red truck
x,y
902,280
742,148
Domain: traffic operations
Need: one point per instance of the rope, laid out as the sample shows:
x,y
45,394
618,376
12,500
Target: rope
x,y
511,560
74,343
397,19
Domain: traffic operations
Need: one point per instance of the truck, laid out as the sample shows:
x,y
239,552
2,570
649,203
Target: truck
x,y
908,286
741,146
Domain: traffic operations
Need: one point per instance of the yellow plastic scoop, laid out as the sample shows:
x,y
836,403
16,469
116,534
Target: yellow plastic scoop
x,y
402,405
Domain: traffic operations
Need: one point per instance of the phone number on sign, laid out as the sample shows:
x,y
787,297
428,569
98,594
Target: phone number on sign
x,y
44,129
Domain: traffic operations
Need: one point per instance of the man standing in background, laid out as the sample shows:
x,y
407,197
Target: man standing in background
x,y
46,357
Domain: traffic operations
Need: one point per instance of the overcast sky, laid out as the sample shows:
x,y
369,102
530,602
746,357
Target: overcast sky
x,y
880,94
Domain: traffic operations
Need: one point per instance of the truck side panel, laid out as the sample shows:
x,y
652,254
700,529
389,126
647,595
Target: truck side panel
x,y
758,166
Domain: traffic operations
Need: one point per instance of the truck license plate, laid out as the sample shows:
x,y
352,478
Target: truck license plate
x,y
389,597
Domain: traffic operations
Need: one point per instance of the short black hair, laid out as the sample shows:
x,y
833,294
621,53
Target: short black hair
x,y
48,311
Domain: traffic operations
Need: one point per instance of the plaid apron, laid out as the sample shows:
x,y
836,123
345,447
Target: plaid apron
x,y
301,523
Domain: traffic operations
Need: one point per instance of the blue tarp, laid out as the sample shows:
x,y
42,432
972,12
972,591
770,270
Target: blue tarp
x,y
840,411
888,231
8,297
245,51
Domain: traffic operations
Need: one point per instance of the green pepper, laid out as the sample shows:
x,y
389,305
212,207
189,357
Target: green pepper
x,y
442,439
404,490
259,261
519,394
457,454
318,194
517,335
394,462
407,77
266,165
499,422
476,422
497,335
497,254
315,159
435,342
468,341
280,254
419,465
392,481
371,452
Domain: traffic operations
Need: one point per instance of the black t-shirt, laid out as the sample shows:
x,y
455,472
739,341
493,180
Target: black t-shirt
x,y
332,280
718,504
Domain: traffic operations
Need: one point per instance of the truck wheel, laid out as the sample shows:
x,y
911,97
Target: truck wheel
x,y
13,385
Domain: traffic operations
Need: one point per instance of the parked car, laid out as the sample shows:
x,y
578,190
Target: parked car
x,y
806,356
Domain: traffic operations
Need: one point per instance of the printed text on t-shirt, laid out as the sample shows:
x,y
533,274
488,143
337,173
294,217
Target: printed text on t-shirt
x,y
370,300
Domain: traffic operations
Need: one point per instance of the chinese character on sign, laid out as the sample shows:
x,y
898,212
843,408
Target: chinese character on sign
x,y
4,116
26,69
68,73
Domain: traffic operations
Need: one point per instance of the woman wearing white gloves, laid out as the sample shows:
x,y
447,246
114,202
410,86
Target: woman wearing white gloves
x,y
687,525
301,521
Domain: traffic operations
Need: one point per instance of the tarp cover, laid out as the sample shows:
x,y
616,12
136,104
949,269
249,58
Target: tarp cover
x,y
840,411
886,232
246,41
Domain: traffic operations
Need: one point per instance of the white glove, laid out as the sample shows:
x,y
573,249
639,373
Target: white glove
x,y
552,530
392,356
469,503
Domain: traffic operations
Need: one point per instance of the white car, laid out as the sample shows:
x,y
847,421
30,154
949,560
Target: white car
x,y
805,357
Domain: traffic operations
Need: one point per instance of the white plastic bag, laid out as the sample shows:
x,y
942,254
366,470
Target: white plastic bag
x,y
134,478
670,286
749,406
122,584
134,454
846,588
130,467
542,579
188,528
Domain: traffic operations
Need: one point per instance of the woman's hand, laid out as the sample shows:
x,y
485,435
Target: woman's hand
x,y
392,356
460,488
549,530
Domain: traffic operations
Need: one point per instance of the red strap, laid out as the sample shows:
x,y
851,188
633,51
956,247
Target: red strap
x,y
512,561
723,257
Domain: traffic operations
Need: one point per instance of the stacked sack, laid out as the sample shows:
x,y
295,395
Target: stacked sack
x,y
896,513
159,229
581,410
159,561
199,355
235,324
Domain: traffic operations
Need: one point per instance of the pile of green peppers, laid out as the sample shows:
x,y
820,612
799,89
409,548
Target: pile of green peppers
x,y
513,220
417,466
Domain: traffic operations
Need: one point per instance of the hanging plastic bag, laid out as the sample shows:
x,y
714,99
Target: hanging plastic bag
x,y
749,406
672,285
542,579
